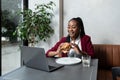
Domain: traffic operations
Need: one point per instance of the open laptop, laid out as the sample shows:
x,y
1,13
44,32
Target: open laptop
x,y
34,57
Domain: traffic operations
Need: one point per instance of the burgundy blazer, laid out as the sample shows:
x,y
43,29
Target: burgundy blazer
x,y
86,45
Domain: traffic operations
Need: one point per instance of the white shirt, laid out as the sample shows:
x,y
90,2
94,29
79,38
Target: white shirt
x,y
72,52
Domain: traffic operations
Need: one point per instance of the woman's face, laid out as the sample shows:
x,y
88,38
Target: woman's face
x,y
73,29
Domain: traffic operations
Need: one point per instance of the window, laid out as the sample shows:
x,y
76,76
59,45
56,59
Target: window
x,y
10,52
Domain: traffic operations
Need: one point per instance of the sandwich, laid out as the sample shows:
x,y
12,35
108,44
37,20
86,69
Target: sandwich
x,y
66,47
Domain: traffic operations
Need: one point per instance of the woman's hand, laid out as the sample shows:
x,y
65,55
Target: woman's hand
x,y
56,53
59,51
77,49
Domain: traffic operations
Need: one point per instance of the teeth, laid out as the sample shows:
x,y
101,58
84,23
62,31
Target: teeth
x,y
70,33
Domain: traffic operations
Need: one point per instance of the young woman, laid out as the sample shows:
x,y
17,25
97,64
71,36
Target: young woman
x,y
79,43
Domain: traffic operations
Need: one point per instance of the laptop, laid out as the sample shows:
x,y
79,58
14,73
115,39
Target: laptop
x,y
35,58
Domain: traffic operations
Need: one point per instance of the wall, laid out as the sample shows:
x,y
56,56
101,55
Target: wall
x,y
100,17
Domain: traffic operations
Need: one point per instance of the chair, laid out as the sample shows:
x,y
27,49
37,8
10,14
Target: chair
x,y
116,73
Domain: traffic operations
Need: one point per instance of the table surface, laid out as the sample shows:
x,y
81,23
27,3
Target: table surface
x,y
69,72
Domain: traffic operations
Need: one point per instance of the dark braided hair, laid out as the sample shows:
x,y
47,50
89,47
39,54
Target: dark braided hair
x,y
80,25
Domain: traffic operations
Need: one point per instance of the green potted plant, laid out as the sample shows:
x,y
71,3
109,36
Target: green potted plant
x,y
36,24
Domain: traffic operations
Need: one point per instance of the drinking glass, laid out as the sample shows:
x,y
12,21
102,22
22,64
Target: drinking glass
x,y
86,59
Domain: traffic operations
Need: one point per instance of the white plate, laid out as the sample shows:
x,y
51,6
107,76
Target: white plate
x,y
68,60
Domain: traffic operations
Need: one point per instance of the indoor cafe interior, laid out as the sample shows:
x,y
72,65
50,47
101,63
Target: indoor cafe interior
x,y
31,27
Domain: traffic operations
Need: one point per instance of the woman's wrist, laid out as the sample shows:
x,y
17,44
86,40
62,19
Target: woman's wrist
x,y
84,53
79,52
53,53
56,53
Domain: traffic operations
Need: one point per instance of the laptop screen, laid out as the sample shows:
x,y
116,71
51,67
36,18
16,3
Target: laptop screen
x,y
34,57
